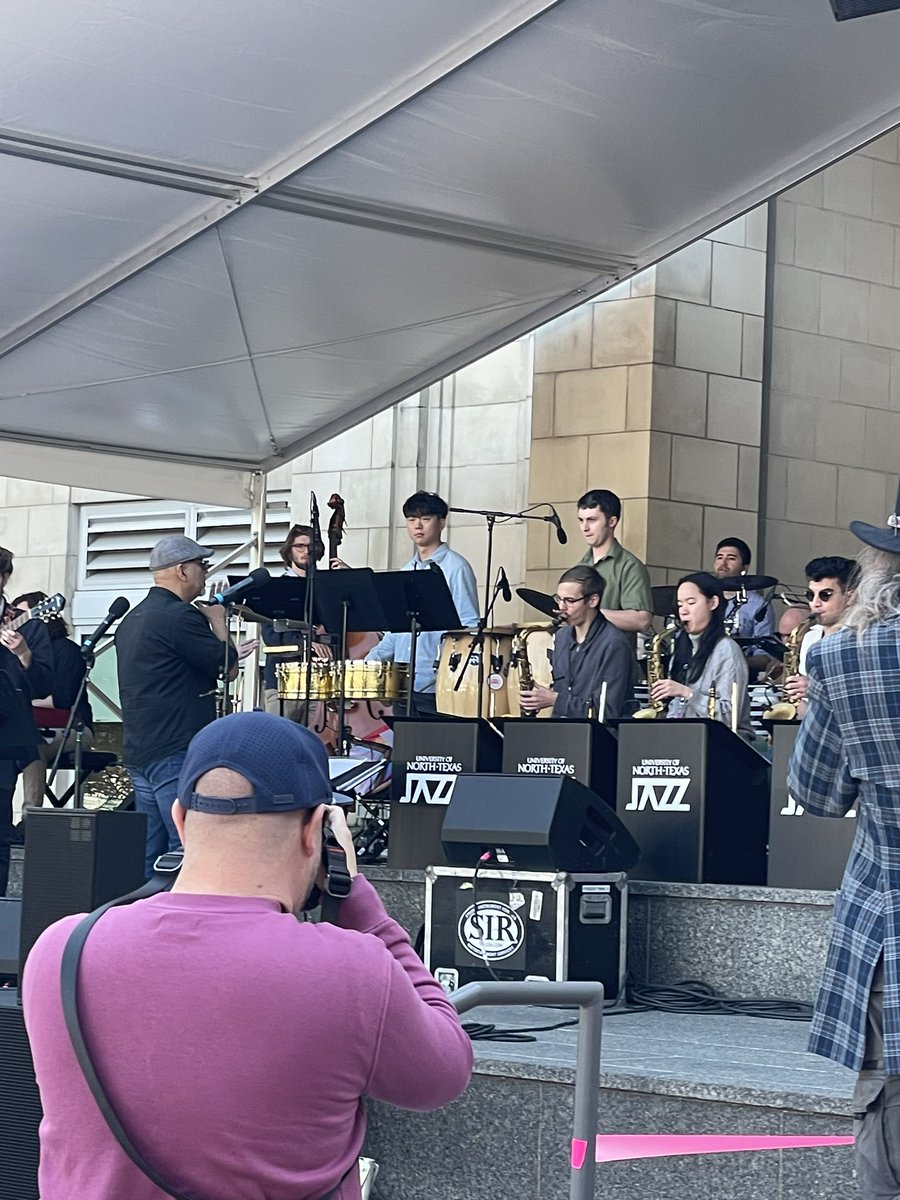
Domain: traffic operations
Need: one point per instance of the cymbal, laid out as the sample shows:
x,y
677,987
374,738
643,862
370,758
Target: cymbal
x,y
753,583
539,600
663,599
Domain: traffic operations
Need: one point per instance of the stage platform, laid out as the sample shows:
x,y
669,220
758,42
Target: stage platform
x,y
508,1137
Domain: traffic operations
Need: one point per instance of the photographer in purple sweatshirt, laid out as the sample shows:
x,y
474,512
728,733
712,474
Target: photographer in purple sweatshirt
x,y
235,1042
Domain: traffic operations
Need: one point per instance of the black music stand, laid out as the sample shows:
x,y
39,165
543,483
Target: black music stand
x,y
427,606
348,601
281,599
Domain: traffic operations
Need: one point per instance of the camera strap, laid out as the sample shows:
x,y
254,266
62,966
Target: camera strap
x,y
165,873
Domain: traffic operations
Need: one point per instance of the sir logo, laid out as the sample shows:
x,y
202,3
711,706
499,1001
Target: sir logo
x,y
490,931
662,795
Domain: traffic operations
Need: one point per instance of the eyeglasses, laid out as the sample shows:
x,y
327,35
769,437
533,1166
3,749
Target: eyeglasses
x,y
202,563
825,595
565,601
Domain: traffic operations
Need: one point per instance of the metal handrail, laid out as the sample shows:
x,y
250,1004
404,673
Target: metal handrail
x,y
588,997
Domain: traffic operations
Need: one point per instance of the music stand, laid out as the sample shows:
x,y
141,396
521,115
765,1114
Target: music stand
x,y
347,600
282,598
419,601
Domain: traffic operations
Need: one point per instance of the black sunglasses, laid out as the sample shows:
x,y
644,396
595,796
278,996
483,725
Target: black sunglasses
x,y
825,594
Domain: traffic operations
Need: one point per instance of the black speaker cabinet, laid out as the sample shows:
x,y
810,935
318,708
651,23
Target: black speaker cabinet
x,y
76,860
543,823
10,932
20,1105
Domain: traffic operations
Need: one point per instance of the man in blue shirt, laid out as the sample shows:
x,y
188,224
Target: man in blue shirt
x,y
754,618
426,516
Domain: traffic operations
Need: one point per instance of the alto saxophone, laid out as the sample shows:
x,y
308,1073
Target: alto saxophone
x,y
655,674
784,709
519,657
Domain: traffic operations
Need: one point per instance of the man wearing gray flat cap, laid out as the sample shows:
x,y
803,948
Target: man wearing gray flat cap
x,y
848,750
170,655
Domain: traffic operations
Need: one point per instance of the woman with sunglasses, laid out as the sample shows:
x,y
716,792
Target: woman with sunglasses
x,y
588,651
705,657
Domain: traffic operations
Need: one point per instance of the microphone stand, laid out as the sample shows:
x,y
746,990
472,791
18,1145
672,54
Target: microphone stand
x,y
491,516
78,724
309,601
477,644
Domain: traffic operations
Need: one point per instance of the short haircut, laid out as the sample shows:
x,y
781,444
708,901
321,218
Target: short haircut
x,y
608,502
592,583
425,504
294,532
6,561
740,545
830,567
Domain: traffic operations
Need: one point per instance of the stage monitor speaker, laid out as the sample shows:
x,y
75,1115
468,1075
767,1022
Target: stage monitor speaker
x,y
543,822
846,10
76,860
20,1106
10,930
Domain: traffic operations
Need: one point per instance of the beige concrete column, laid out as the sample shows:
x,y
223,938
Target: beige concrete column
x,y
654,392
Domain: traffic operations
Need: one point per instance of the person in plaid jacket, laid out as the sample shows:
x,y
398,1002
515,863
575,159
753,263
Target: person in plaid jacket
x,y
848,750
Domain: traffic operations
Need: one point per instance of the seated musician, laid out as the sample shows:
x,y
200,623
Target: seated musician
x,y
426,516
294,552
705,657
828,592
68,672
588,651
752,619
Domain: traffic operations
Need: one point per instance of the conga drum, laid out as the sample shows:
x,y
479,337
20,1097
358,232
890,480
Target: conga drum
x,y
462,701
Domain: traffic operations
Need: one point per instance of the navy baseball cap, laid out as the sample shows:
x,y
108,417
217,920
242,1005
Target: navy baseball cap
x,y
286,764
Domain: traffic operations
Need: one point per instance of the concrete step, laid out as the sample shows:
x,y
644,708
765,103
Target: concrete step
x,y
508,1137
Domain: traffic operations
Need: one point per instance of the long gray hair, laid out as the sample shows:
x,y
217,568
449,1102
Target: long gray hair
x,y
876,589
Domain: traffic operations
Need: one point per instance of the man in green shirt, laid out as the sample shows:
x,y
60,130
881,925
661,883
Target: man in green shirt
x,y
627,601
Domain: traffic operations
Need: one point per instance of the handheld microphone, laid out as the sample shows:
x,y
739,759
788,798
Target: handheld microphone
x,y
561,535
505,590
254,579
117,609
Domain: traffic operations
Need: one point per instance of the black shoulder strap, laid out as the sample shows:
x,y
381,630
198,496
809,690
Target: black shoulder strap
x,y
71,959
69,983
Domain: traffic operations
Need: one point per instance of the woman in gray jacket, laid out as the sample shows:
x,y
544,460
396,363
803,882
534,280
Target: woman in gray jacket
x,y
705,658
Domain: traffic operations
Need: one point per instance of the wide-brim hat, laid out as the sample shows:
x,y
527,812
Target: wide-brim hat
x,y
881,537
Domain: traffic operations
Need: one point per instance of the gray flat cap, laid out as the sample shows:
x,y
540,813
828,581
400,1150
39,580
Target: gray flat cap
x,y
176,548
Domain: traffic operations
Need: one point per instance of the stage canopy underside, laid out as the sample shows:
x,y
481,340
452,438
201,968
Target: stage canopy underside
x,y
231,230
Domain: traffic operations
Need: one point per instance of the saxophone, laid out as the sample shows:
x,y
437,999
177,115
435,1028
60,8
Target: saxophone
x,y
655,674
711,703
519,657
784,709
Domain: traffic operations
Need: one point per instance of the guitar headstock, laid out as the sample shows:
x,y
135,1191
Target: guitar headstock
x,y
47,608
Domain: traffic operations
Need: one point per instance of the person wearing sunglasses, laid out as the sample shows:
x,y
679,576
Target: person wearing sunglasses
x,y
828,593
588,651
170,656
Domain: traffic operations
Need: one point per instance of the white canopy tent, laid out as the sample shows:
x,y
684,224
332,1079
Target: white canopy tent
x,y
231,230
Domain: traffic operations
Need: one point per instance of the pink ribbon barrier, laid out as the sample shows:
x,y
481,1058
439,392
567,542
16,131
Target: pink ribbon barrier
x,y
619,1147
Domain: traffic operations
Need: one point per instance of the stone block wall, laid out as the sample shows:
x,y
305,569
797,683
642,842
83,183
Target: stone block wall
x,y
654,391
834,436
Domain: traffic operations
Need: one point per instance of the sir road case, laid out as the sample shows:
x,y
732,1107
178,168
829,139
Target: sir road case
x,y
509,924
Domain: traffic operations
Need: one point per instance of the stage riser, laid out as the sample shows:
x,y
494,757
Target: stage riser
x,y
744,941
510,1137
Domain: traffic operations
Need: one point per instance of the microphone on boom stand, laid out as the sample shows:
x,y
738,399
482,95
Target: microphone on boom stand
x,y
561,535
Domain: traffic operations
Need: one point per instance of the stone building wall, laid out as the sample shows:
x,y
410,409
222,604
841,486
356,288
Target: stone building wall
x,y
834,434
654,391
